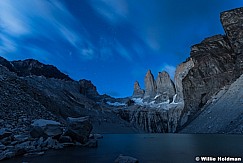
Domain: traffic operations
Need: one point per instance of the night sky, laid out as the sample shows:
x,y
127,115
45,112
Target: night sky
x,y
110,42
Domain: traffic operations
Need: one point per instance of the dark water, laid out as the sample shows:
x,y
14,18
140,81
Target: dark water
x,y
148,148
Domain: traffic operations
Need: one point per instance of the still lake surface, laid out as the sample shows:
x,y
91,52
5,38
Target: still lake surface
x,y
147,148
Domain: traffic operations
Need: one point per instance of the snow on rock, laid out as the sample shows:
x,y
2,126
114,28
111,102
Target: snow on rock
x,y
174,98
44,122
157,96
45,128
116,103
162,105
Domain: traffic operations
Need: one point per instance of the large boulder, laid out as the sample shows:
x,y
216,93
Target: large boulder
x,y
78,129
45,128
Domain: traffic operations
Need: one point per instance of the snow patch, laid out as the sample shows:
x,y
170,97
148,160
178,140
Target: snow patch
x,y
174,97
157,96
116,103
162,105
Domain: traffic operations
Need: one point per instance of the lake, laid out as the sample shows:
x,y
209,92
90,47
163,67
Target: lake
x,y
148,148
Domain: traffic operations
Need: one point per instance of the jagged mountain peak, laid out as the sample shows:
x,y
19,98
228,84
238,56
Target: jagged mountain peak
x,y
150,85
33,67
137,92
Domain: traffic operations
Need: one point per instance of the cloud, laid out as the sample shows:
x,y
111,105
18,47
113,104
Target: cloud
x,y
7,45
41,20
113,11
10,19
122,51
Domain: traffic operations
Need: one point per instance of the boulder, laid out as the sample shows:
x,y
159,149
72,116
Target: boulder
x,y
37,132
45,128
9,154
126,159
78,129
53,130
4,132
92,143
65,139
2,147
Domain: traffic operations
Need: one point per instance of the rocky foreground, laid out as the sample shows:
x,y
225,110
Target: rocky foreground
x,y
45,134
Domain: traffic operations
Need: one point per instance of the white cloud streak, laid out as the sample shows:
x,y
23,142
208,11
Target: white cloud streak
x,y
115,11
47,19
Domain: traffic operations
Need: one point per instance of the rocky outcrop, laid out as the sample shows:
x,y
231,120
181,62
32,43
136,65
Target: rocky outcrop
x,y
218,61
12,145
223,112
214,62
33,67
161,90
150,85
7,64
180,73
153,120
137,91
88,89
156,111
232,23
165,87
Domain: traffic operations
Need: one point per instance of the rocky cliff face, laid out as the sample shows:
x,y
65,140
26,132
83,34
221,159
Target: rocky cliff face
x,y
160,90
154,110
88,89
217,61
152,119
232,23
213,68
165,87
180,73
137,91
150,85
223,112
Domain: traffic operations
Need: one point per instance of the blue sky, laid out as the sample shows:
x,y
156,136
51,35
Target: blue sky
x,y
110,42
